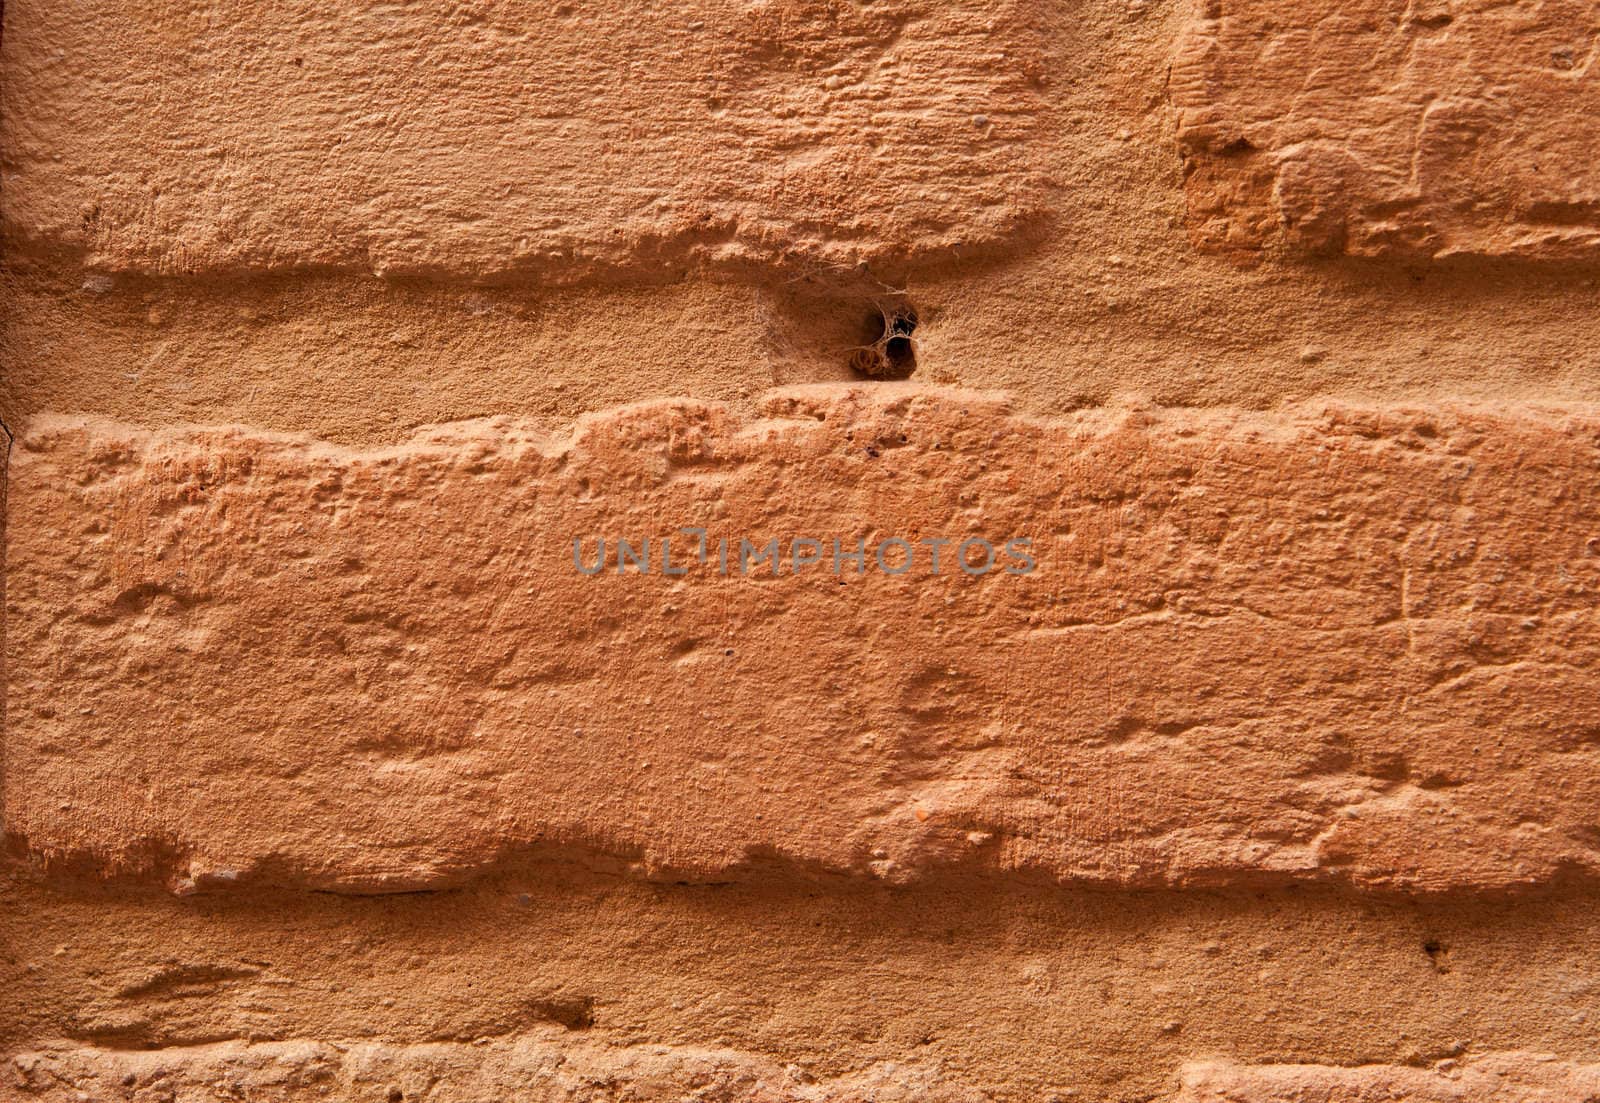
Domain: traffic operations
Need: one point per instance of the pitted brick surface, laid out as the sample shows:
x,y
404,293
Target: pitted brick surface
x,y
1404,130
1495,1078
562,141
1274,327
528,1070
1330,643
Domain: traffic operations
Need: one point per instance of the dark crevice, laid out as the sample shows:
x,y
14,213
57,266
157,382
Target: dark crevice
x,y
888,350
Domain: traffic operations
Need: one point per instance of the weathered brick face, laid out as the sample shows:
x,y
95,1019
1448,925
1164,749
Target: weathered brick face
x,y
284,1072
1270,598
636,138
1381,129
1504,1077
800,550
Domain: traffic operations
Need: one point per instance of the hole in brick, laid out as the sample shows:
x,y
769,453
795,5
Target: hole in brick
x,y
888,351
1438,953
574,1014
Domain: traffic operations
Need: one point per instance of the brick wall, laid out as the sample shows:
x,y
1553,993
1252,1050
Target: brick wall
x,y
800,550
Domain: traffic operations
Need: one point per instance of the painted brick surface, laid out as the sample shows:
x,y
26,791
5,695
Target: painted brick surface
x,y
1380,129
1231,621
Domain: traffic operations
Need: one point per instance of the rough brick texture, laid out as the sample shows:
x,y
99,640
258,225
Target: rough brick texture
x,y
1383,129
1496,1078
1272,327
525,1070
558,140
1339,643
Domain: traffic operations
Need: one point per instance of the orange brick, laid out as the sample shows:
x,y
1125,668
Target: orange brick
x,y
545,1068
1333,643
1381,129
1493,1078
554,140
